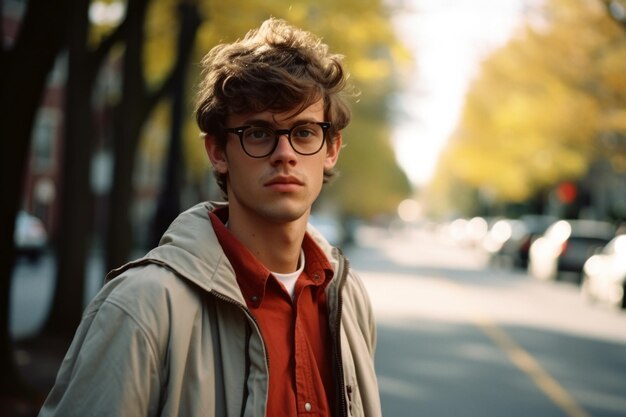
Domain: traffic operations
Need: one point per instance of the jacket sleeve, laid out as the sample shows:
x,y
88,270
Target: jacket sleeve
x,y
111,369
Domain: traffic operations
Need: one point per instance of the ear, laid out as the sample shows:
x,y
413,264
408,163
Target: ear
x,y
216,154
332,152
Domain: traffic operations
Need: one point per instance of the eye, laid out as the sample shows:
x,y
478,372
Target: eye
x,y
257,134
309,131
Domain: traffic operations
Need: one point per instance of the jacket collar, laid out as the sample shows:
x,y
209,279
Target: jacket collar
x,y
191,249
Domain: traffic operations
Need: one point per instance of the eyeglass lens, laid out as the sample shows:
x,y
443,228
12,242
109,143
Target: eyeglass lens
x,y
305,139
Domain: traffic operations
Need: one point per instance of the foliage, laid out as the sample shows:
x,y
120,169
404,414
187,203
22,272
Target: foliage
x,y
544,107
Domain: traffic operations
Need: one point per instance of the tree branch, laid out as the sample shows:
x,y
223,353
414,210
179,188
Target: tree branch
x,y
190,22
102,51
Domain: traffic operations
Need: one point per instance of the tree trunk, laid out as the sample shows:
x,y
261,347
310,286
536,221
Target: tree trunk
x,y
24,69
128,127
168,206
75,193
135,109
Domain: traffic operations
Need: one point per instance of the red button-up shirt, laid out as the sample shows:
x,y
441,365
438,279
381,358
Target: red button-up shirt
x,y
295,331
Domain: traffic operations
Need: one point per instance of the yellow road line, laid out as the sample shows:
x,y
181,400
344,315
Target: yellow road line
x,y
526,363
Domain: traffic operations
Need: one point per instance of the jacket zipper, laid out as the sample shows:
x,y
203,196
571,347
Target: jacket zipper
x,y
248,314
343,407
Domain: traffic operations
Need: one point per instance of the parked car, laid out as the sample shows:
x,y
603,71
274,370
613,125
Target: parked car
x,y
503,240
565,247
31,238
535,225
604,274
508,241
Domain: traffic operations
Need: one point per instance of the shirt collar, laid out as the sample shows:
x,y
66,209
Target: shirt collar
x,y
317,267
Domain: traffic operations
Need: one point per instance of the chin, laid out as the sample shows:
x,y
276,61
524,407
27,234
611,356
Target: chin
x,y
286,216
284,213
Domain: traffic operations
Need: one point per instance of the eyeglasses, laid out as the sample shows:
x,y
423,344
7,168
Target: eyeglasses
x,y
259,142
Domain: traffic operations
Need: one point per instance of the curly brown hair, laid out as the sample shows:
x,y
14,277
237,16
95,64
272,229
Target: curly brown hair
x,y
276,67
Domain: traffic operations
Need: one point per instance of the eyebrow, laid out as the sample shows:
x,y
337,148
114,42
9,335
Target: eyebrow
x,y
266,123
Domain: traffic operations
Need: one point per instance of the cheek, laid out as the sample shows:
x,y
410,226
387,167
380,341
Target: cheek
x,y
243,174
318,175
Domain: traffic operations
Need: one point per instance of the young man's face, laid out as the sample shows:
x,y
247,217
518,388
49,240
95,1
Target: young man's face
x,y
282,186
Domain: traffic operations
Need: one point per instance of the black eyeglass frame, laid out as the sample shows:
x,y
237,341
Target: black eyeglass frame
x,y
277,134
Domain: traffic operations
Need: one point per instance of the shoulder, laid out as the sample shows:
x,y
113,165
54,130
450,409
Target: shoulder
x,y
148,281
151,296
150,289
117,353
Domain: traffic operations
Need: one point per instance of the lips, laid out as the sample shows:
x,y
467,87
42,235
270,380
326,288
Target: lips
x,y
284,180
284,184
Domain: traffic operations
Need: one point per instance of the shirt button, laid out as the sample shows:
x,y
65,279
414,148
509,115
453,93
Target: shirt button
x,y
255,298
308,406
316,277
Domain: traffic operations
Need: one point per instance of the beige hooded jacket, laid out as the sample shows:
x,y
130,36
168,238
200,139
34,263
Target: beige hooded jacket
x,y
170,335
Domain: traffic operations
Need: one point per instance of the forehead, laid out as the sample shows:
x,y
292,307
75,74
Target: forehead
x,y
314,112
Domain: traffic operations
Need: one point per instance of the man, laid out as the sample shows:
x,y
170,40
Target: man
x,y
241,310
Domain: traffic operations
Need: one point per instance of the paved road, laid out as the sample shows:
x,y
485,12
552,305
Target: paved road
x,y
458,339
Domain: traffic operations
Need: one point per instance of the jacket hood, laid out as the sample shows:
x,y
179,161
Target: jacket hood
x,y
190,248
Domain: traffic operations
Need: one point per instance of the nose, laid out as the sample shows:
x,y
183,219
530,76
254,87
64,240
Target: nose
x,y
284,152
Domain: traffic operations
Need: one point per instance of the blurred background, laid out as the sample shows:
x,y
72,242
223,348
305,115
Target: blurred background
x,y
482,191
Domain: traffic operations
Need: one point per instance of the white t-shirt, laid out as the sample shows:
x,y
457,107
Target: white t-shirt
x,y
289,280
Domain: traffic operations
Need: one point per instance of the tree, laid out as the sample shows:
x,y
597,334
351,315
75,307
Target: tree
x,y
542,106
24,67
135,107
615,139
76,199
168,205
49,27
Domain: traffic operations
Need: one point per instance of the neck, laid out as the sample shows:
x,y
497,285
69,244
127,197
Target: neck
x,y
276,245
